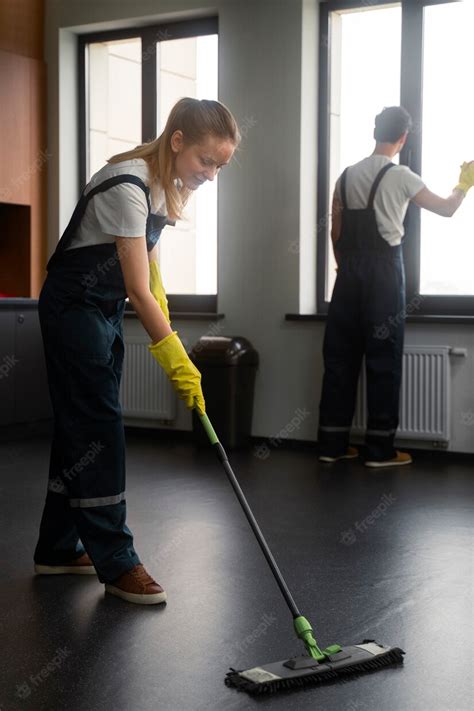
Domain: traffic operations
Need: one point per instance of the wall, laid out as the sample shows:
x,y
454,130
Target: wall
x,y
24,161
260,62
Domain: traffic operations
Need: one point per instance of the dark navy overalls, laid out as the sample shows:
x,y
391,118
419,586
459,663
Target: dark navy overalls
x,y
365,317
81,308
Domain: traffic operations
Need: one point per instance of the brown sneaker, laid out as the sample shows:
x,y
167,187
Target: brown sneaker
x,y
137,586
398,460
80,566
351,453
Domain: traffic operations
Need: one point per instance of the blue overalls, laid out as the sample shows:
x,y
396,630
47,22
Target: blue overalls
x,y
81,308
366,316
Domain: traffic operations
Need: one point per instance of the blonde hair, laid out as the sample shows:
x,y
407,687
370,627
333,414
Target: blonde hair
x,y
196,118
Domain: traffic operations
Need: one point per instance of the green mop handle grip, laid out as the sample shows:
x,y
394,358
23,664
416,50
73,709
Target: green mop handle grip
x,y
213,438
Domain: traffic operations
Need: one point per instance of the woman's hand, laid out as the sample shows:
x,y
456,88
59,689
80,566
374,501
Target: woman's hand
x,y
185,377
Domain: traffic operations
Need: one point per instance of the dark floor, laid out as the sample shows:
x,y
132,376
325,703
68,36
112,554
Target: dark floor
x,y
404,578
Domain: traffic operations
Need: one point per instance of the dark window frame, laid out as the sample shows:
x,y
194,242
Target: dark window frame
x,y
411,95
150,35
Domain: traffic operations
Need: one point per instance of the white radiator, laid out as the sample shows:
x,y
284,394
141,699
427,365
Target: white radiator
x,y
424,395
145,390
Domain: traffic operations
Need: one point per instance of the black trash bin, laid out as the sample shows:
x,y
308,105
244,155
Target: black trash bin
x,y
228,366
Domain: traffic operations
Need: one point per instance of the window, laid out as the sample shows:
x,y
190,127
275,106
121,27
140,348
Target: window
x,y
447,246
114,71
357,38
380,54
153,67
188,67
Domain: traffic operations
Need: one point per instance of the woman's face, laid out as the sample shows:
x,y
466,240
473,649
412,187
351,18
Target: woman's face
x,y
196,163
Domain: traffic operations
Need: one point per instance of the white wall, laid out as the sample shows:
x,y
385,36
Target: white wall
x,y
260,62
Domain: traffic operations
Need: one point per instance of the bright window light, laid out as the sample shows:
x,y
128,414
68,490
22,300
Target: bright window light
x,y
447,245
365,77
188,251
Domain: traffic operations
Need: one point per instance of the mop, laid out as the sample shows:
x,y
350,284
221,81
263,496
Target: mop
x,y
316,665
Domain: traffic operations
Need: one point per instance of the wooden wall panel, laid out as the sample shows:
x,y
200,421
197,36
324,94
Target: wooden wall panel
x,y
21,27
15,142
40,158
23,147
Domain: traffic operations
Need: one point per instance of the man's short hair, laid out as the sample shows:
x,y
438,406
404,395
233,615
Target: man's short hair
x,y
391,124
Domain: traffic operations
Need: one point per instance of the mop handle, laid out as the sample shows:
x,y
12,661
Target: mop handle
x,y
251,518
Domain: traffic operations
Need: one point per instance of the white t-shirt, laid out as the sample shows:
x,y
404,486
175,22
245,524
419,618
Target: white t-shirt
x,y
120,211
395,190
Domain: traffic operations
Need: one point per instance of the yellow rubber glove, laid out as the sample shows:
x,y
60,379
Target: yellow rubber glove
x,y
466,176
186,378
157,289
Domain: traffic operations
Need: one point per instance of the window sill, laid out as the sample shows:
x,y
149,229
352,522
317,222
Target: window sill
x,y
420,318
183,315
28,304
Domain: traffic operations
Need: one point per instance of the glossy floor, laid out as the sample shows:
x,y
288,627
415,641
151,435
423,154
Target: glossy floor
x,y
379,554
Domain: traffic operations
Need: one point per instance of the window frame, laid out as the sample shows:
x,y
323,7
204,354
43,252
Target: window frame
x,y
411,97
150,35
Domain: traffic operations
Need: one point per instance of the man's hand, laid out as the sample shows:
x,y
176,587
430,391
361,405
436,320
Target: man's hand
x,y
466,177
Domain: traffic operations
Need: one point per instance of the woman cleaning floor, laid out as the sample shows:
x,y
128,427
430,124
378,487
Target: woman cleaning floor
x,y
107,253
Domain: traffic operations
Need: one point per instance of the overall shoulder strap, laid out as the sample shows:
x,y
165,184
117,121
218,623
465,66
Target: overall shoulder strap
x,y
378,178
116,180
81,206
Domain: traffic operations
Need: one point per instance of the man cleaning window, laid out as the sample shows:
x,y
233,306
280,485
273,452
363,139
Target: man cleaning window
x,y
367,310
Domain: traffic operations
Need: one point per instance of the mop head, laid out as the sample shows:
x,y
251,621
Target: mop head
x,y
301,671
